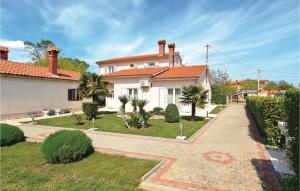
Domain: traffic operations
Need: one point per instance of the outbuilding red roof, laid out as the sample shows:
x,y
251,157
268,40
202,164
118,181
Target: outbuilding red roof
x,y
182,72
134,58
137,72
163,72
30,70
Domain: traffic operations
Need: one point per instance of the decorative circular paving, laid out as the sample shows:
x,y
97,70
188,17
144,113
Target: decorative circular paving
x,y
218,157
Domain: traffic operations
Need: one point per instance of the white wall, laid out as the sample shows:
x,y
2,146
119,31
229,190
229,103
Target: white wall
x,y
153,95
23,94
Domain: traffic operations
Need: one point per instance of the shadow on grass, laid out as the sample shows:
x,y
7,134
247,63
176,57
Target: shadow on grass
x,y
189,118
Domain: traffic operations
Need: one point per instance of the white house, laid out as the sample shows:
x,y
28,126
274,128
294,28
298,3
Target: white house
x,y
27,88
157,78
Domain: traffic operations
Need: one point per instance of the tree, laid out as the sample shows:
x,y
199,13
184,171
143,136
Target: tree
x,y
283,85
271,86
249,84
38,54
92,86
124,100
219,77
194,95
37,50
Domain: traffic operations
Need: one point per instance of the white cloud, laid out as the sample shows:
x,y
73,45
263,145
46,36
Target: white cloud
x,y
12,44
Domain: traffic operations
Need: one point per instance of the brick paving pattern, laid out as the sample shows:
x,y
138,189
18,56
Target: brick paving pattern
x,y
226,154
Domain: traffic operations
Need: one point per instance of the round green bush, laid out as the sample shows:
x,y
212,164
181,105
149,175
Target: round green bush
x,y
90,109
172,113
67,146
10,135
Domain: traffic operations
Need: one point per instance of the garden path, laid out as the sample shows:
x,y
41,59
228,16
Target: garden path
x,y
225,154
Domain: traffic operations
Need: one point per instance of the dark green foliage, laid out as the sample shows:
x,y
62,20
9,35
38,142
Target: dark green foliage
x,y
158,111
218,99
290,183
10,135
172,113
135,120
51,112
267,112
291,104
66,146
124,100
134,103
90,109
141,104
92,86
146,116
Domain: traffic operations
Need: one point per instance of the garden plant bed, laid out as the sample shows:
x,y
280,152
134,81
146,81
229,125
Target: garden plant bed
x,y
217,109
24,168
109,122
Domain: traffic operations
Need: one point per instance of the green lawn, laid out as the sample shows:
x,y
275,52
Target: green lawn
x,y
24,168
111,123
218,109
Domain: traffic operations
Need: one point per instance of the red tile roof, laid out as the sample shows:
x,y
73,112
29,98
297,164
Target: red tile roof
x,y
22,69
182,72
134,58
272,91
163,72
137,72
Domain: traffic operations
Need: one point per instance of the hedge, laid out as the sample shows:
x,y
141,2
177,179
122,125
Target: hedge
x,y
267,112
291,104
10,135
219,99
172,113
90,109
66,146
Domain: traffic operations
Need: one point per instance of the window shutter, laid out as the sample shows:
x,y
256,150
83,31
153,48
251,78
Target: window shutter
x,y
69,94
162,97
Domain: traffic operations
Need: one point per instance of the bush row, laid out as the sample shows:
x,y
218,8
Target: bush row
x,y
219,99
291,104
267,112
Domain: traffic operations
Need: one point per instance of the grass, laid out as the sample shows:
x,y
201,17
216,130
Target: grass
x,y
218,109
24,168
109,122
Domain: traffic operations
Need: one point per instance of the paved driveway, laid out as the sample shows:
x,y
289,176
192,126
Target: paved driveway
x,y
226,154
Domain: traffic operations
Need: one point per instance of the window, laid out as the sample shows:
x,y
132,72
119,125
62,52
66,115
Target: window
x,y
132,93
110,69
73,95
152,64
174,96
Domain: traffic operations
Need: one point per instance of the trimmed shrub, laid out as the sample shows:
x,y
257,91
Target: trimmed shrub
x,y
66,146
90,109
51,112
219,99
158,111
10,135
291,104
172,113
267,112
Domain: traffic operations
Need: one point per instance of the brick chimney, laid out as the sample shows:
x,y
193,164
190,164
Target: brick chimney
x,y
161,47
4,53
52,59
171,53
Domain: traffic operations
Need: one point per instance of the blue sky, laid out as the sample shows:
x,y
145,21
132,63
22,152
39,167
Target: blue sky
x,y
253,34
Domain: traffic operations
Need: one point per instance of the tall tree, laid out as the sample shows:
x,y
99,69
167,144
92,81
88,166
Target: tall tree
x,y
283,85
219,77
271,86
38,50
194,95
92,86
38,54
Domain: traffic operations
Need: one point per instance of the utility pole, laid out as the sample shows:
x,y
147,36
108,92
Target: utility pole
x,y
258,77
206,48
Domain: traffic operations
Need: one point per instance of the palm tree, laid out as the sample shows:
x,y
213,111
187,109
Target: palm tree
x,y
134,103
92,86
194,95
141,104
124,100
